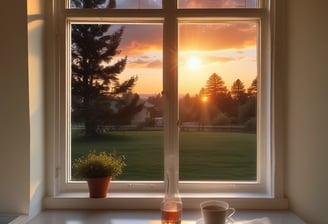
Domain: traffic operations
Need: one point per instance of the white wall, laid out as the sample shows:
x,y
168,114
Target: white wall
x,y
307,97
36,59
14,110
22,107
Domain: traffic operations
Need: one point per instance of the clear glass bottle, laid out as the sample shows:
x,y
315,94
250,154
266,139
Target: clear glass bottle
x,y
171,207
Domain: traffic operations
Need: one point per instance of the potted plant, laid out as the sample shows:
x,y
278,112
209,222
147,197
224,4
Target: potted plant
x,y
98,169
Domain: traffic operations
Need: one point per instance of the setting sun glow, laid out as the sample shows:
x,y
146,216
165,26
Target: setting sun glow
x,y
204,99
194,62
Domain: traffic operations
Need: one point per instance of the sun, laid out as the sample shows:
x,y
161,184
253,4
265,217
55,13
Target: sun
x,y
194,62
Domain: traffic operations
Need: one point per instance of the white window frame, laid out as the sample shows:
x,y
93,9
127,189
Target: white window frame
x,y
269,179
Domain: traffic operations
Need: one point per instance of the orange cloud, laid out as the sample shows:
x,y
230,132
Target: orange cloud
x,y
139,47
218,36
144,62
141,39
222,59
217,3
143,43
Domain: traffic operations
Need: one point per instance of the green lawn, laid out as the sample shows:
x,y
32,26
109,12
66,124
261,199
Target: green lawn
x,y
203,155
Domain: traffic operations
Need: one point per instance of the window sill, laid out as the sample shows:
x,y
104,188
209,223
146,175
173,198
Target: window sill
x,y
153,217
133,201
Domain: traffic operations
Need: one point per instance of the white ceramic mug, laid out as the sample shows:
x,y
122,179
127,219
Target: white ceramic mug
x,y
216,212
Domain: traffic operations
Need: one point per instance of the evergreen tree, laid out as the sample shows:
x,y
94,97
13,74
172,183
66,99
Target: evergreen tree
x,y
97,94
215,85
238,91
248,111
218,94
252,90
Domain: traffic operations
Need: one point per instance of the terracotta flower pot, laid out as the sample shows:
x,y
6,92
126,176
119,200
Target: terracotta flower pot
x,y
98,187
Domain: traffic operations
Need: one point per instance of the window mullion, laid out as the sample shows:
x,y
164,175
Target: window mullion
x,y
170,90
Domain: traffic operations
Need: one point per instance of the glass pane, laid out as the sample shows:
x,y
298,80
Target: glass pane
x,y
217,104
116,106
218,4
117,4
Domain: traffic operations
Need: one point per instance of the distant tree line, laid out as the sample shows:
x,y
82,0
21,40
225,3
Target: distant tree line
x,y
216,104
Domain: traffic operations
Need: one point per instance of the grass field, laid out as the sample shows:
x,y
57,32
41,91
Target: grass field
x,y
203,155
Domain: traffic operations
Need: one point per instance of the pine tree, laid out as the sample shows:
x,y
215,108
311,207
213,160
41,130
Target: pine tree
x,y
238,91
98,97
215,85
252,90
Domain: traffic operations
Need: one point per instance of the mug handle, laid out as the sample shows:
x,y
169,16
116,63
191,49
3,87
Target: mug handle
x,y
230,212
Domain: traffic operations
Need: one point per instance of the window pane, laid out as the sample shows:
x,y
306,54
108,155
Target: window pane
x,y
118,4
217,104
116,81
218,4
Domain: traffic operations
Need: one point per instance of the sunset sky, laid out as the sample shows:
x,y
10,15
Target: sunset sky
x,y
228,49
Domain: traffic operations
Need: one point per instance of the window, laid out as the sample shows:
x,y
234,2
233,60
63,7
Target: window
x,y
187,83
120,108
216,111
